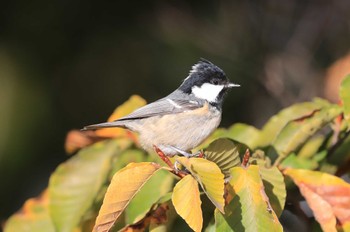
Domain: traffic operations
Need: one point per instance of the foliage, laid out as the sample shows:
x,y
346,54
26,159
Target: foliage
x,y
239,183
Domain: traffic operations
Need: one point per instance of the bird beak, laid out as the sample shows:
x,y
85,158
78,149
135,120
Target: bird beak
x,y
231,85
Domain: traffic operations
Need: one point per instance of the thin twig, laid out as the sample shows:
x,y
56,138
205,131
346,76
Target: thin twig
x,y
169,163
246,158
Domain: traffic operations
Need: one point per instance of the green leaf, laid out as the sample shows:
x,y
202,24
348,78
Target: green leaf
x,y
154,220
187,202
345,97
245,134
124,186
160,183
126,157
296,132
75,183
249,208
293,161
34,216
273,127
311,147
342,153
275,187
224,153
209,176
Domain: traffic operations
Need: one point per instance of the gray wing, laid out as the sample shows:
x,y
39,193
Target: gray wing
x,y
172,104
162,107
158,108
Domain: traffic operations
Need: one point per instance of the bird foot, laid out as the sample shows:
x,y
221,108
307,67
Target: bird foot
x,y
187,154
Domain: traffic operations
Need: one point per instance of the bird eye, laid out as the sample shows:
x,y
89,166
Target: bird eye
x,y
215,82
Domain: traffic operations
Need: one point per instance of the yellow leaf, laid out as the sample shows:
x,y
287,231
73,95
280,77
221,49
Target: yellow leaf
x,y
209,176
187,202
126,108
124,185
328,196
249,209
274,185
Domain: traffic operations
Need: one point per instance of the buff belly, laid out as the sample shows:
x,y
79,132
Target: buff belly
x,y
183,131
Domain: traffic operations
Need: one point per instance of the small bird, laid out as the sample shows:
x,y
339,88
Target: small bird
x,y
180,121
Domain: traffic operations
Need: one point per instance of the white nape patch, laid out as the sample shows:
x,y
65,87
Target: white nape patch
x,y
193,70
207,91
173,103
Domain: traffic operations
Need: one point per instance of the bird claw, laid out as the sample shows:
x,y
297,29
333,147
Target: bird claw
x,y
176,168
187,154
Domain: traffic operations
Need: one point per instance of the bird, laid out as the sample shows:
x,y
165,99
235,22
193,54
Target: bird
x,y
183,119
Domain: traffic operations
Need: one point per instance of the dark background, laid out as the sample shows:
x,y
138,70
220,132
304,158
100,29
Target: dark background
x,y
65,64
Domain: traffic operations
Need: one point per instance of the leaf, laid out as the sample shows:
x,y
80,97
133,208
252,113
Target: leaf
x,y
345,97
273,127
293,161
77,139
131,155
155,188
187,202
224,153
209,176
311,147
157,215
75,183
245,134
124,186
296,132
34,216
328,196
133,103
249,208
275,187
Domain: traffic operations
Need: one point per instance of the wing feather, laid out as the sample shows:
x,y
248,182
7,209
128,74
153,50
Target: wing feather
x,y
162,107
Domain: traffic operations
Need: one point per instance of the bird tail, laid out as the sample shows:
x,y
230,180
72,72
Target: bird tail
x,y
104,125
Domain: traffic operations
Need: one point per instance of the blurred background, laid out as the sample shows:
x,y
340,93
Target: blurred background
x,y
66,64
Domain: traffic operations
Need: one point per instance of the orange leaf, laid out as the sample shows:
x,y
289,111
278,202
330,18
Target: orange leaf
x,y
187,202
34,216
133,103
76,140
124,186
328,196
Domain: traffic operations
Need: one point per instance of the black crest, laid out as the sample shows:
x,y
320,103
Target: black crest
x,y
203,72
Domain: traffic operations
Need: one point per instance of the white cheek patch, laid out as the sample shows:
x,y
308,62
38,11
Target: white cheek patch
x,y
207,91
